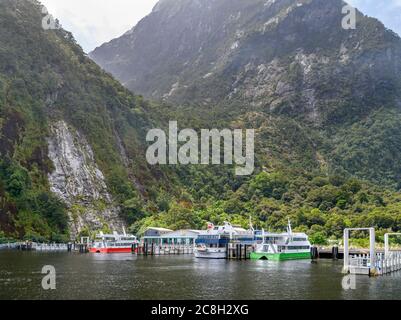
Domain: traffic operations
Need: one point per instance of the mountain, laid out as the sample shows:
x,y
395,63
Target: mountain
x,y
71,137
321,97
324,103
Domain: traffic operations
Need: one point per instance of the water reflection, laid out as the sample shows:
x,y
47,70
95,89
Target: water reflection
x,y
126,276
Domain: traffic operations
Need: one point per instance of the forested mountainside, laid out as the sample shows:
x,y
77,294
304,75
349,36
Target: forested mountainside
x,y
324,103
72,138
274,65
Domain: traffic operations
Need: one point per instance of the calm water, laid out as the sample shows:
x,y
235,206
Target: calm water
x,y
182,277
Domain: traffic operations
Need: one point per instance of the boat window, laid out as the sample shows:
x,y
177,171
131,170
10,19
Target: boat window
x,y
299,239
298,247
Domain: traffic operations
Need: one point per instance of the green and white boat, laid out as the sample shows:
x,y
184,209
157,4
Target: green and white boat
x,y
282,246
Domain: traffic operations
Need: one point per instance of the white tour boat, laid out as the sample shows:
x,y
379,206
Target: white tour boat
x,y
282,246
212,243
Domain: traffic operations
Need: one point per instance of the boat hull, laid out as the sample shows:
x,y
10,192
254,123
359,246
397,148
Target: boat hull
x,y
280,256
110,250
208,254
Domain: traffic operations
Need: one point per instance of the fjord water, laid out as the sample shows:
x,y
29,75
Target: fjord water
x,y
126,276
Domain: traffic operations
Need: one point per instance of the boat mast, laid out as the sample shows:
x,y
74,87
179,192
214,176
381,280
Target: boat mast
x,y
250,224
289,229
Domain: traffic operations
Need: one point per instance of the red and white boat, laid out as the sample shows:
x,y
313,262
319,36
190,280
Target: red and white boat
x,y
114,243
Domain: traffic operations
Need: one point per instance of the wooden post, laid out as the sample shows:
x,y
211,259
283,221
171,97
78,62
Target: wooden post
x,y
346,251
386,244
372,251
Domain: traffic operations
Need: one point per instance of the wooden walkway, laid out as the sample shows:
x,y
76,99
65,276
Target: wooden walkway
x,y
43,247
148,249
371,263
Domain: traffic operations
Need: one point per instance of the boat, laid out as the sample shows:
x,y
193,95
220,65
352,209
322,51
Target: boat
x,y
281,246
114,243
213,243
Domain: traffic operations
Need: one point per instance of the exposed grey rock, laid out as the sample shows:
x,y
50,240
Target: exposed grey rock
x,y
78,181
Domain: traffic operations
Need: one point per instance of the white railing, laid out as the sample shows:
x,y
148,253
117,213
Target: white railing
x,y
167,249
384,263
49,247
360,260
35,246
10,245
390,262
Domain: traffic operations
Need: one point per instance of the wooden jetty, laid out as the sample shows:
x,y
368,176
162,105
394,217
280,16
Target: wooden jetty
x,y
8,246
336,252
371,263
152,249
81,247
50,246
239,251
22,245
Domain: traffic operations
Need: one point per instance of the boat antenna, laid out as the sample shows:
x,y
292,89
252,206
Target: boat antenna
x,y
250,224
289,229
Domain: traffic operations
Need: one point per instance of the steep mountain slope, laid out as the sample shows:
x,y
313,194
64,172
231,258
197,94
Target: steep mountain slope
x,y
72,138
266,53
70,135
320,96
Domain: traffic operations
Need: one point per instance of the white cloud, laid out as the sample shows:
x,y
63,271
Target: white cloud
x,y
94,22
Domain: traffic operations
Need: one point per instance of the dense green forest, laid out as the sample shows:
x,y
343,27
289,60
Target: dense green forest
x,y
288,183
44,77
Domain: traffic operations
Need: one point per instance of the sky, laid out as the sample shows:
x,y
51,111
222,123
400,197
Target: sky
x,y
94,22
387,11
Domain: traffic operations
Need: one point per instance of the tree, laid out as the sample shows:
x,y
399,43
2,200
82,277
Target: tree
x,y
18,181
132,209
318,238
269,185
53,209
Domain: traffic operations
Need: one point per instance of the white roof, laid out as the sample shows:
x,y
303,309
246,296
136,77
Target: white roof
x,y
159,229
181,233
284,234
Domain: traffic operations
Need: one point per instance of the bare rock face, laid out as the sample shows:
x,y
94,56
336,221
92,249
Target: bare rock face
x,y
77,180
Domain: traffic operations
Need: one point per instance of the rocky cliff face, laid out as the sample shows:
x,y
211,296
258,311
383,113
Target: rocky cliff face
x,y
78,181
